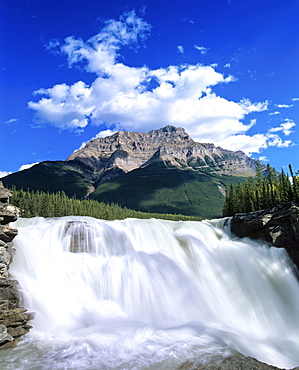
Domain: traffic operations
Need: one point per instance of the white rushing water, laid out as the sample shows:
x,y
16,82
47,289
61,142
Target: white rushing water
x,y
150,294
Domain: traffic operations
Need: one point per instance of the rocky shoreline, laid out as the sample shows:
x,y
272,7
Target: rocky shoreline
x,y
13,317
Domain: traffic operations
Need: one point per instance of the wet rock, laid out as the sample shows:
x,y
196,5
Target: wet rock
x,y
9,292
278,226
13,318
7,233
237,362
4,336
8,214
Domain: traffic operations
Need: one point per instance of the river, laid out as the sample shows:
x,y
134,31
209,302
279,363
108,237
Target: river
x,y
150,294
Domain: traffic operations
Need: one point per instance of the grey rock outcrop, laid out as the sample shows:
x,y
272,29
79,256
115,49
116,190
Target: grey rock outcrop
x,y
237,362
13,318
278,226
124,151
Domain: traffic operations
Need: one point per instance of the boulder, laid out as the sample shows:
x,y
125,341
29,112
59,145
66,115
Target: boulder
x,y
7,233
8,214
278,226
4,336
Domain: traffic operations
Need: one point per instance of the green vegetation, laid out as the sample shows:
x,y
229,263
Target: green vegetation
x,y
158,188
37,203
265,190
53,177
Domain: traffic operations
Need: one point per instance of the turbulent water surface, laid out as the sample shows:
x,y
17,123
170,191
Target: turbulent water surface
x,y
150,294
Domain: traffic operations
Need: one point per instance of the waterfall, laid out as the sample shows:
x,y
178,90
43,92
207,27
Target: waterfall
x,y
150,294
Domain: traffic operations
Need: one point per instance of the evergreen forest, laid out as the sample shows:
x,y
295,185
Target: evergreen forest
x,y
41,204
267,189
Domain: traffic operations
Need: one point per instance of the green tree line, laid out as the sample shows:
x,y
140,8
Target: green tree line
x,y
265,190
41,204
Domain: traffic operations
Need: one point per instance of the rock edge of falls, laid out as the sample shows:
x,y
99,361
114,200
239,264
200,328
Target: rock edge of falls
x,y
13,317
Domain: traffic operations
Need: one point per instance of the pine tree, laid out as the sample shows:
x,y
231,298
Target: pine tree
x,y
295,186
285,189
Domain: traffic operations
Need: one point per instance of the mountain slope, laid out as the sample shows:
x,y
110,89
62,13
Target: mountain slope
x,y
53,177
161,171
161,189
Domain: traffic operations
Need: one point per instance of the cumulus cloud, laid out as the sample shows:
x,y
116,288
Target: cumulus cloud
x,y
26,166
4,173
64,106
141,99
256,143
284,127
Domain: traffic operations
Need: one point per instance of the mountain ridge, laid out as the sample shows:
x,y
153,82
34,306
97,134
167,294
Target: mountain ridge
x,y
131,150
162,171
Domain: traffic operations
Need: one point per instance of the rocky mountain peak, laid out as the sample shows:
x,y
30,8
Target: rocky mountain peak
x,y
125,151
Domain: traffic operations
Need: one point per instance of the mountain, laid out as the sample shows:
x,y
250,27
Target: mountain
x,y
127,151
163,171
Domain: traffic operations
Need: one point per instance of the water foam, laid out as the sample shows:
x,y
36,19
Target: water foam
x,y
150,294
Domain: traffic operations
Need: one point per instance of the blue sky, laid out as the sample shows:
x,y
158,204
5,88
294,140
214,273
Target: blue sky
x,y
225,70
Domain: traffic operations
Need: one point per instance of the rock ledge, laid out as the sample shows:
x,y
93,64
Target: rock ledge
x,y
13,318
278,226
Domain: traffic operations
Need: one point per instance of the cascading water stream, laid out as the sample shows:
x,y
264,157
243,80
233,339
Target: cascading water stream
x,y
150,294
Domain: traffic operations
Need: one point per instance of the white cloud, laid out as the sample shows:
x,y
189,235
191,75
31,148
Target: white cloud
x,y
4,173
12,120
255,143
227,65
180,49
64,106
295,99
285,127
275,140
284,105
141,99
262,158
52,46
248,144
26,166
250,107
202,49
100,52
274,113
258,142
103,133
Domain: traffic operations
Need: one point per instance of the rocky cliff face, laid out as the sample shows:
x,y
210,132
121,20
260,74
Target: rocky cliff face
x,y
13,317
126,151
278,226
